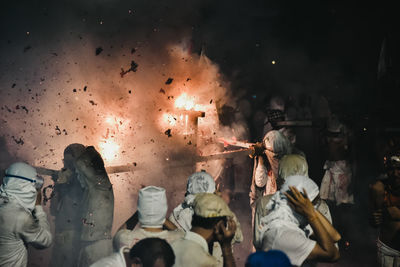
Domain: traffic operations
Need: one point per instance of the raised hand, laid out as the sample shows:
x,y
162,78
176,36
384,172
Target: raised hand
x,y
300,202
224,235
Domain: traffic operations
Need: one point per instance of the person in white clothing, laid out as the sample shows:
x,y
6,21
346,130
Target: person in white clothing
x,y
22,219
200,182
289,165
285,226
212,222
152,209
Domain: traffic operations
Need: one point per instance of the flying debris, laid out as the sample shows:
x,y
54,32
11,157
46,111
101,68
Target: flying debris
x,y
99,50
133,68
169,81
92,102
162,91
58,130
18,141
22,107
168,133
13,85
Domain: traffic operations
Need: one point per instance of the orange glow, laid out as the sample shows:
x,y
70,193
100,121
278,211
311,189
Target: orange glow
x,y
108,149
169,119
185,102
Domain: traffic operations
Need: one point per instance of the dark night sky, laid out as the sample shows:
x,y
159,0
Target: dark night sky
x,y
319,46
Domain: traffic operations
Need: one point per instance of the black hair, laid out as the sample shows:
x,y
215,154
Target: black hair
x,y
148,250
206,223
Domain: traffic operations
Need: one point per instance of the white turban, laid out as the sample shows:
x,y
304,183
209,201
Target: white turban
x,y
152,207
200,182
20,190
280,213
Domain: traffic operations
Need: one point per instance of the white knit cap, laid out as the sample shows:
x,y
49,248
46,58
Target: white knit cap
x,y
200,182
152,206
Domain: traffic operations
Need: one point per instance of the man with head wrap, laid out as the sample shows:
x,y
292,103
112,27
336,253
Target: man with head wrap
x,y
212,222
22,219
285,226
65,206
289,165
275,145
97,208
151,211
200,182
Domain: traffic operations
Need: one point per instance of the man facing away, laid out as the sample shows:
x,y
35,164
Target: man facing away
x,y
152,208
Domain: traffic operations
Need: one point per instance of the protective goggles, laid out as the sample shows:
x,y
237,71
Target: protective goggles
x,y
39,181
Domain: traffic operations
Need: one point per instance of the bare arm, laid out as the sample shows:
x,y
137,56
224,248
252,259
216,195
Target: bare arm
x,y
333,233
325,249
376,200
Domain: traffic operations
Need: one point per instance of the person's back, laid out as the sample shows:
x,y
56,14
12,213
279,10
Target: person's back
x,y
65,206
22,219
152,209
196,251
97,208
212,222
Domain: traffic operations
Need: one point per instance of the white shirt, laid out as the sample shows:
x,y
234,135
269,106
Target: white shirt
x,y
116,259
129,238
192,250
18,228
294,243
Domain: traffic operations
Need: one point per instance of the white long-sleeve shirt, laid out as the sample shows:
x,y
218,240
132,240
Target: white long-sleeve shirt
x,y
19,228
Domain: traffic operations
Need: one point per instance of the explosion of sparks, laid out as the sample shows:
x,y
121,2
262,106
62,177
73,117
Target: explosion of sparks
x,y
185,102
109,149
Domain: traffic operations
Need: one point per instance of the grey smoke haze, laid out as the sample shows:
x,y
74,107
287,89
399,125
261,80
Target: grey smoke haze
x,y
62,82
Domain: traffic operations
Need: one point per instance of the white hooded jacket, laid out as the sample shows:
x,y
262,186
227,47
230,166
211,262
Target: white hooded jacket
x,y
21,222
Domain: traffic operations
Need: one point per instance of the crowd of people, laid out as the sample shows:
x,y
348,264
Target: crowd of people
x,y
291,214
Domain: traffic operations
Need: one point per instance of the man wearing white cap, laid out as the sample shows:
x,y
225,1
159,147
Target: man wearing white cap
x,y
152,209
212,222
22,219
285,226
200,182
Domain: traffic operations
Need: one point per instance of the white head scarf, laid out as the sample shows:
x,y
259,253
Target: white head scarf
x,y
292,164
18,190
198,182
280,213
152,207
277,145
